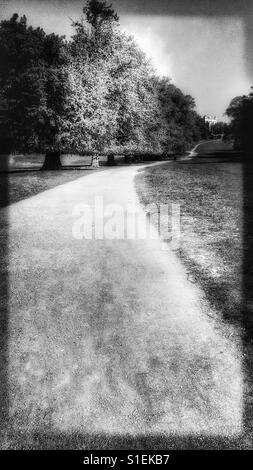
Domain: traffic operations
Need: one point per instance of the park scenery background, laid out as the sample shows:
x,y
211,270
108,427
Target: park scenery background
x,y
94,95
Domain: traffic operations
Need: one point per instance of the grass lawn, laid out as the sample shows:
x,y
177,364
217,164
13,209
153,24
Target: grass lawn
x,y
24,180
210,195
17,186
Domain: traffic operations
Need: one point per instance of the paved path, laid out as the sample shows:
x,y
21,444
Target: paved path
x,y
109,336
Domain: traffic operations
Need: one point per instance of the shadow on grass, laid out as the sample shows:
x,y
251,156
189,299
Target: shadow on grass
x,y
217,293
78,441
238,313
248,291
4,395
36,170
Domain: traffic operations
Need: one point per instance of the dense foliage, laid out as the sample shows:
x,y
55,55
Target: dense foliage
x,y
32,86
240,112
95,93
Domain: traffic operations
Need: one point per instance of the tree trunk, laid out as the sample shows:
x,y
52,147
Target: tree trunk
x,y
52,161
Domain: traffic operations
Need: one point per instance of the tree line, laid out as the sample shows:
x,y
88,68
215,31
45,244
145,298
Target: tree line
x,y
93,94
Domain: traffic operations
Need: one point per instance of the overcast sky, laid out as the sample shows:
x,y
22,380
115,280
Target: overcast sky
x,y
200,45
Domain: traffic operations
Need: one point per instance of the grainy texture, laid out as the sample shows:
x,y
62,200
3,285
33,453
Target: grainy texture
x,y
107,338
210,195
18,186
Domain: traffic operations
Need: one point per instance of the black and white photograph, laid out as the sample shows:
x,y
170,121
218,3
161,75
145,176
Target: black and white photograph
x,y
126,228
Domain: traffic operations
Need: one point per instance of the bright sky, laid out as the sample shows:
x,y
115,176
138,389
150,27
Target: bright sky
x,y
204,55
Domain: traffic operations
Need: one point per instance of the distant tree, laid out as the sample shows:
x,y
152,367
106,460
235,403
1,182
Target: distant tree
x,y
218,128
203,127
182,123
240,111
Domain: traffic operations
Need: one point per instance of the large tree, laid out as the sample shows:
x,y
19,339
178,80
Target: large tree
x,y
117,102
97,93
90,119
33,85
240,111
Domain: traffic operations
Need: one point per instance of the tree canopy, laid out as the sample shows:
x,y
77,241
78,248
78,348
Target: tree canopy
x,y
240,111
94,93
32,86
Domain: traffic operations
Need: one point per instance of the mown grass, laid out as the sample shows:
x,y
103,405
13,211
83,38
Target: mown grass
x,y
210,195
216,244
20,177
17,186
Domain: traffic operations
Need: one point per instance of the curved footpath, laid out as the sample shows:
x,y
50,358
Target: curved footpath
x,y
107,336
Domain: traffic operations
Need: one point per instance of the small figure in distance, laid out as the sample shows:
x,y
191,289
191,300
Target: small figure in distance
x,y
95,161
